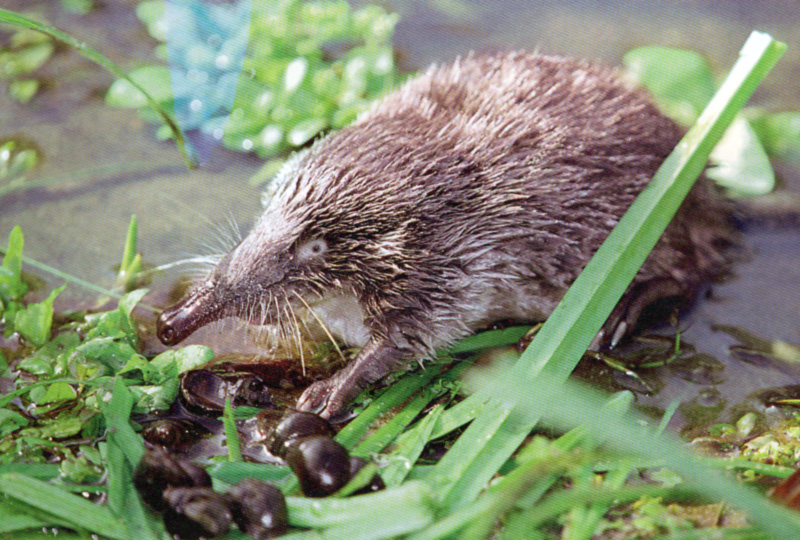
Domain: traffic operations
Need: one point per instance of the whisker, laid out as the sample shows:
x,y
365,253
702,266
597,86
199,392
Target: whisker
x,y
298,337
322,324
234,230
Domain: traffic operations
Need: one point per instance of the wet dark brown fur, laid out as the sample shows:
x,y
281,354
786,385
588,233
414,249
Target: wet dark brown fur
x,y
476,192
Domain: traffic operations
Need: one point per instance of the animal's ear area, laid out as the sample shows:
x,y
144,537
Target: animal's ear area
x,y
311,249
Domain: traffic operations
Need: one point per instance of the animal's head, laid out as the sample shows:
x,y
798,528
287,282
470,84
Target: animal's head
x,y
317,233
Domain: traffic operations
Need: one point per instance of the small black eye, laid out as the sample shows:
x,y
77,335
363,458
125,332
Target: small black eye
x,y
312,249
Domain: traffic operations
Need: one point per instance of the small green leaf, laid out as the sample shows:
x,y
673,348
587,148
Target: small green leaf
x,y
185,358
20,162
58,391
61,428
11,284
305,131
18,62
108,351
295,74
80,7
159,397
11,421
152,14
740,163
39,365
34,322
129,252
129,301
681,81
779,133
23,90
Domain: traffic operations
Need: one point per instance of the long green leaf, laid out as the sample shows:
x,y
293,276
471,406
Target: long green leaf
x,y
66,507
410,503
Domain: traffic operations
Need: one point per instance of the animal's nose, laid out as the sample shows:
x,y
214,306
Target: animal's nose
x,y
165,330
178,322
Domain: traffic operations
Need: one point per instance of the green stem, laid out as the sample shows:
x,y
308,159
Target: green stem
x,y
84,49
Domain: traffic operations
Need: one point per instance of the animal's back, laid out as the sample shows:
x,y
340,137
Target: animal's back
x,y
505,173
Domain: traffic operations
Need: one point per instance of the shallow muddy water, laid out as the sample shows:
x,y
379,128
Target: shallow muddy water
x,y
103,164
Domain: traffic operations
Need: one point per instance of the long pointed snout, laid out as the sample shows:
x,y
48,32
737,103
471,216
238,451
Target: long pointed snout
x,y
178,322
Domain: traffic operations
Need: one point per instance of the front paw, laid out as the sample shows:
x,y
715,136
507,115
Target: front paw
x,y
327,398
315,398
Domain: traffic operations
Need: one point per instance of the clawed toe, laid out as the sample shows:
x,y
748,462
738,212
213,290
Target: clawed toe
x,y
327,398
628,312
315,398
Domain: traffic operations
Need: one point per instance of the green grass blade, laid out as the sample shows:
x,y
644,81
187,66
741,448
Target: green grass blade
x,y
628,435
117,414
232,472
231,433
490,338
389,431
84,49
129,252
410,503
124,449
42,471
66,507
13,519
123,499
576,320
409,449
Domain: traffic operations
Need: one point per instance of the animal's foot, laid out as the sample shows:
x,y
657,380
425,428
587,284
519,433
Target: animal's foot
x,y
627,315
327,398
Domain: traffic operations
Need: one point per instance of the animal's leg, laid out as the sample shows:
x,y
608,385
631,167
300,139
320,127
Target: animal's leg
x,y
329,397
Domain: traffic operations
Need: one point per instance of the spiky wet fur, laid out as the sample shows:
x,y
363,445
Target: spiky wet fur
x,y
477,192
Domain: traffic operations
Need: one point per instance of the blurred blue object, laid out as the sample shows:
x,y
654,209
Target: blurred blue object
x,y
206,42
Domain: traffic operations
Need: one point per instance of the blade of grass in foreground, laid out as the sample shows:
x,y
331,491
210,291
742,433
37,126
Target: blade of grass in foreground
x,y
124,449
10,17
628,434
486,445
69,508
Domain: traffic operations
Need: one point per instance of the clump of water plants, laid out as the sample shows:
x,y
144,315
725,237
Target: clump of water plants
x,y
265,77
63,373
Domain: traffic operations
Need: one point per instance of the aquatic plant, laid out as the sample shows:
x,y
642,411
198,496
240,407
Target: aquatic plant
x,y
263,77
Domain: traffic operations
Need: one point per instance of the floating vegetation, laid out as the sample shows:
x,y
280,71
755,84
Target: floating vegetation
x,y
263,77
64,373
